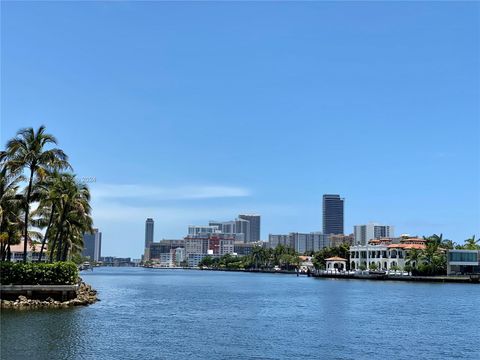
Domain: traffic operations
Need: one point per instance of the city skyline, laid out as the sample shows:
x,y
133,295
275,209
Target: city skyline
x,y
265,120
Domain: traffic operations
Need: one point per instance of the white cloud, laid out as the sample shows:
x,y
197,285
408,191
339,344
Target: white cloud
x,y
111,211
122,191
121,217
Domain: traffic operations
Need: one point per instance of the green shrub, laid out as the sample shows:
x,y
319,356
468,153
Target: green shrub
x,y
59,273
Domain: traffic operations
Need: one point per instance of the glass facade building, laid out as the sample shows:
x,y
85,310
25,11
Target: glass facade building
x,y
149,223
463,262
332,214
92,245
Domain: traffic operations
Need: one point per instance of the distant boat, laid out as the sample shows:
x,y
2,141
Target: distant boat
x,y
377,272
85,266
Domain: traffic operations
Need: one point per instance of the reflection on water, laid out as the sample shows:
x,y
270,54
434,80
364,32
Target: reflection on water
x,y
175,314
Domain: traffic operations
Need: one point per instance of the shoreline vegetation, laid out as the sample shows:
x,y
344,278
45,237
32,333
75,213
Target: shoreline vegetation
x,y
427,265
472,279
429,261
42,206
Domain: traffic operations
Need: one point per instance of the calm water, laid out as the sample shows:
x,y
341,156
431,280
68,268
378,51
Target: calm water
x,y
178,314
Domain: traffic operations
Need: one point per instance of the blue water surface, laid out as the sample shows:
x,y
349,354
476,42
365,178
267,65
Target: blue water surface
x,y
186,314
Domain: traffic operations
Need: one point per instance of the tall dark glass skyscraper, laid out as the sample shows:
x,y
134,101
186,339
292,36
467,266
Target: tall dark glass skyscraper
x,y
332,214
92,245
148,232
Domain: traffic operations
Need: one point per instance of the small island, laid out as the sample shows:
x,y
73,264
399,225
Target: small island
x,y
42,206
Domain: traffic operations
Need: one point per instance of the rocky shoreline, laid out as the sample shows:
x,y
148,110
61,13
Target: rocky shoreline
x,y
86,295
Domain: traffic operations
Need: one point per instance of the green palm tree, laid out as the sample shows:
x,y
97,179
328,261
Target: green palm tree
x,y
268,260
11,205
433,255
436,239
448,244
28,151
258,255
9,190
413,257
76,224
472,244
49,191
73,213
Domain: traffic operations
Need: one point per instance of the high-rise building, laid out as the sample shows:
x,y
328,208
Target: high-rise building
x,y
156,249
275,240
92,245
149,223
332,214
364,233
197,230
254,226
241,248
339,239
239,228
214,244
300,242
243,226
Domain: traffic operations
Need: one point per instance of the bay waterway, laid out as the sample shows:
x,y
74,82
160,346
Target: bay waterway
x,y
182,314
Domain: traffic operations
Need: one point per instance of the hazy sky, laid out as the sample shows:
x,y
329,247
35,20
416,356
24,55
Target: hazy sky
x,y
186,112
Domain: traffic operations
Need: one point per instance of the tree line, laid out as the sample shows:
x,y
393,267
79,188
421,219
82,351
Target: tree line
x,y
429,261
433,260
41,201
260,258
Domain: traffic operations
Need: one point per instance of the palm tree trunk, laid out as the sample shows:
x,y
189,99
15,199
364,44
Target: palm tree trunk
x,y
65,251
46,233
57,235
65,248
54,242
60,245
3,251
9,252
27,210
60,233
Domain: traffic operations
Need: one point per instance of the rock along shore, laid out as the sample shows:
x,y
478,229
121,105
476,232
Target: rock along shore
x,y
85,296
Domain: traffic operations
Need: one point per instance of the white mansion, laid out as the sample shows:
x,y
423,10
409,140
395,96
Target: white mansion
x,y
384,252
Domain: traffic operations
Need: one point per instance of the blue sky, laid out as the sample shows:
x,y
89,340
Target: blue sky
x,y
186,112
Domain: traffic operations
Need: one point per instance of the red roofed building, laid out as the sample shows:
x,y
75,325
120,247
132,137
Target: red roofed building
x,y
384,252
33,251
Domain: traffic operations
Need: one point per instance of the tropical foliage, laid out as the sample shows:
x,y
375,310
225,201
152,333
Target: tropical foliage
x,y
413,259
34,171
470,244
60,273
11,206
260,258
432,260
341,251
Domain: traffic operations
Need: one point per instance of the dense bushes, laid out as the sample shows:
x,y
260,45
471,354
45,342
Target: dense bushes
x,y
429,270
59,273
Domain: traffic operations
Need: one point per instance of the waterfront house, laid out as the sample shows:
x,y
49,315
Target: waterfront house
x,y
386,253
33,252
305,263
462,262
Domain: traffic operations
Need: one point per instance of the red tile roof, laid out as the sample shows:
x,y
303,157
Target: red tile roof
x,y
407,246
31,247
